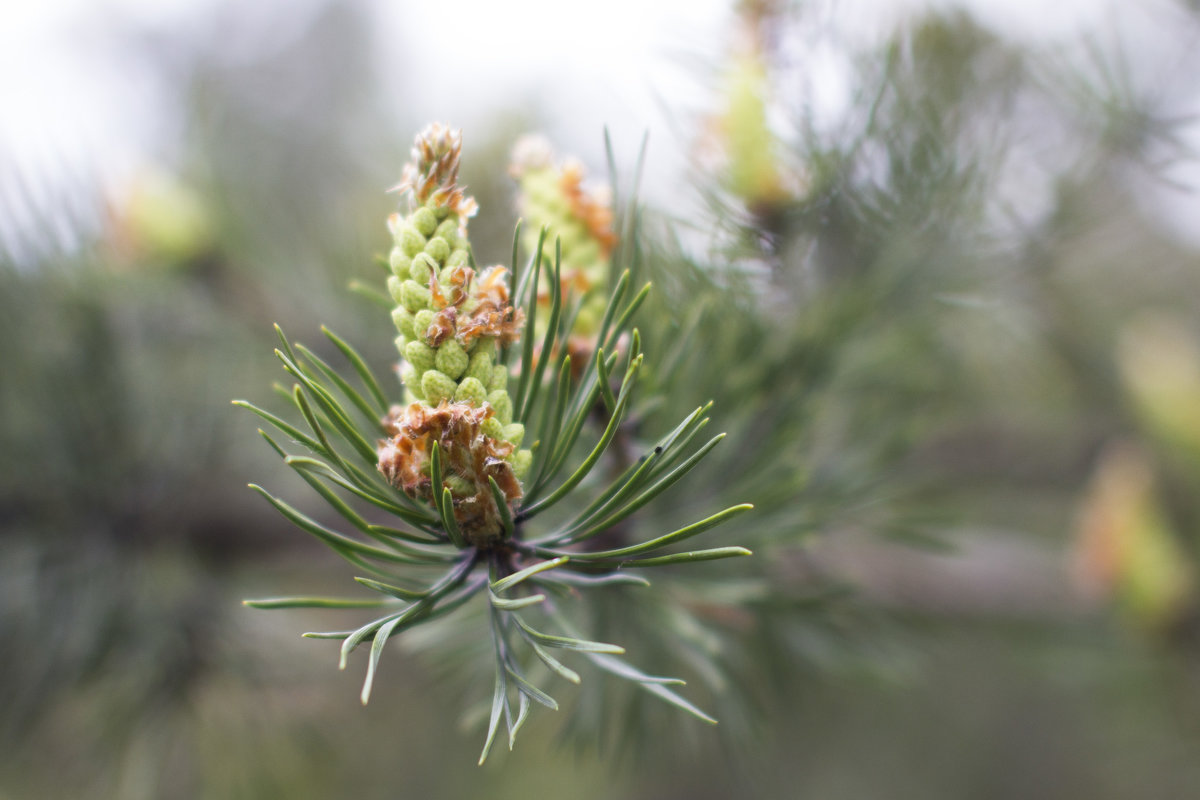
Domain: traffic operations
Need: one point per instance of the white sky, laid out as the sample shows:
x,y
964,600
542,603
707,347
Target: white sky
x,y
73,106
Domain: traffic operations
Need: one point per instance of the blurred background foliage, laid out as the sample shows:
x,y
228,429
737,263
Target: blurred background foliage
x,y
950,328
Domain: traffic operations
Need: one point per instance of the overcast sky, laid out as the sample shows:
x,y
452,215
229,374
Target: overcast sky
x,y
73,103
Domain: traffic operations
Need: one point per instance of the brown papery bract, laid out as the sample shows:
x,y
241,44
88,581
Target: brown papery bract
x,y
467,452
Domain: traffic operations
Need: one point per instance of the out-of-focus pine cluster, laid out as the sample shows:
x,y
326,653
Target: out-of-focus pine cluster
x,y
579,221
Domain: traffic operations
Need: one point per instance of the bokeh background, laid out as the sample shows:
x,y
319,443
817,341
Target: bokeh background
x,y
937,263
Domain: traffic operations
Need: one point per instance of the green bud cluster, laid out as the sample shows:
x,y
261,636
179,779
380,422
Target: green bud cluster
x,y
430,262
448,318
551,195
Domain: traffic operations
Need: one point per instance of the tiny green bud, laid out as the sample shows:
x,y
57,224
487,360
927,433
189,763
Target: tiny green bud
x,y
421,322
410,377
438,249
514,432
521,461
480,367
486,345
421,268
499,379
424,221
403,320
448,230
502,404
398,260
395,289
420,355
411,241
459,258
437,386
493,428
414,296
452,359
471,391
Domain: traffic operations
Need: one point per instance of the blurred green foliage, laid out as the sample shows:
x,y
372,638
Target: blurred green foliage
x,y
922,339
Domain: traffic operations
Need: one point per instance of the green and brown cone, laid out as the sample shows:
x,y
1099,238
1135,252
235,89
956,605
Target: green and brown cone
x,y
552,195
450,322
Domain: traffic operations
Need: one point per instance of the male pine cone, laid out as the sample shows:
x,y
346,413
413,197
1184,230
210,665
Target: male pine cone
x,y
580,220
451,323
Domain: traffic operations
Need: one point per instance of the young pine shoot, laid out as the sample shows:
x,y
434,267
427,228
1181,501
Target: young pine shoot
x,y
441,494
